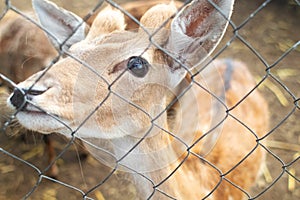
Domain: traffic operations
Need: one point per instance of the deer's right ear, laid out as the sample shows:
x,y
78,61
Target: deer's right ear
x,y
196,30
60,23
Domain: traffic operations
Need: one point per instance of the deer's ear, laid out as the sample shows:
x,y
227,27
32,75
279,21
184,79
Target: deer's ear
x,y
197,29
60,23
108,20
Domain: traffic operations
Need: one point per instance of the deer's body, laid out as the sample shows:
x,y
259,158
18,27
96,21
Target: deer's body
x,y
143,113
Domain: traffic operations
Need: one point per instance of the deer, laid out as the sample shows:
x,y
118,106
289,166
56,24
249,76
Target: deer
x,y
150,101
28,51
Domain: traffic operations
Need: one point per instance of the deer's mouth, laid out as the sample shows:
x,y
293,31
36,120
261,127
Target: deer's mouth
x,y
32,109
34,118
35,111
38,120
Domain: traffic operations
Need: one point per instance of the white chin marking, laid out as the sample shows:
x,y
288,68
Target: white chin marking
x,y
38,121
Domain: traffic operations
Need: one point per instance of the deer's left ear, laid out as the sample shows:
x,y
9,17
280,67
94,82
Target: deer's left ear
x,y
62,24
197,29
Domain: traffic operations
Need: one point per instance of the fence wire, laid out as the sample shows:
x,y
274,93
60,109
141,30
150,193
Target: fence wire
x,y
262,34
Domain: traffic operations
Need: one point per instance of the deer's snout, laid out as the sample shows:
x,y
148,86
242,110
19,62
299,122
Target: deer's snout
x,y
20,96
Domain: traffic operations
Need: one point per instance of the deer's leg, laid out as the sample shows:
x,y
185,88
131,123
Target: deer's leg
x,y
49,149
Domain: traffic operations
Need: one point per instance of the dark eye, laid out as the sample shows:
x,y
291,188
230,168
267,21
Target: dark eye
x,y
138,66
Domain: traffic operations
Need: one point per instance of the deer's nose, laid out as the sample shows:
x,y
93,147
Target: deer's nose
x,y
18,98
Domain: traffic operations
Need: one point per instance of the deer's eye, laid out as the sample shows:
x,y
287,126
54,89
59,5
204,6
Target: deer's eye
x,y
138,66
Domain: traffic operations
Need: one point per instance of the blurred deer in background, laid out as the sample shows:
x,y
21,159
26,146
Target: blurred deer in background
x,y
24,50
138,96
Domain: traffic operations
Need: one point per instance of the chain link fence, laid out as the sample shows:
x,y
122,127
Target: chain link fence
x,y
264,34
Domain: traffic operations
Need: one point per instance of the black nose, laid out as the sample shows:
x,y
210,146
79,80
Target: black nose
x,y
18,98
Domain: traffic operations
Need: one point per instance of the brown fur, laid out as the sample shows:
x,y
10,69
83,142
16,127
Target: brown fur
x,y
24,48
73,92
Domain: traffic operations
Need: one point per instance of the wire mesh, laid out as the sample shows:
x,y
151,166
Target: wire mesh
x,y
263,34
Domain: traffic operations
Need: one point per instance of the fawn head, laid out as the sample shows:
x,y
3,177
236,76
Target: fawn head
x,y
112,80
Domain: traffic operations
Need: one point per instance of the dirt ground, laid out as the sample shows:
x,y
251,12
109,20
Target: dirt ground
x,y
271,32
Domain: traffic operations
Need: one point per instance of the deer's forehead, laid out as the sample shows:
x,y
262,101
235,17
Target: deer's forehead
x,y
115,47
134,39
